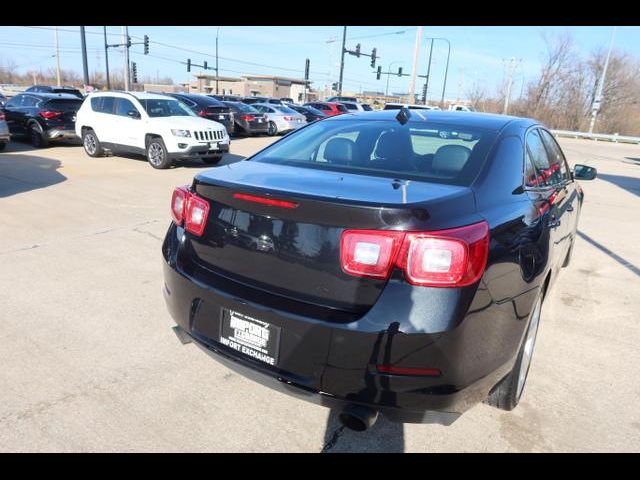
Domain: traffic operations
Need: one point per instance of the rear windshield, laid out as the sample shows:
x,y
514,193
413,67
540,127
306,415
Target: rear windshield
x,y
64,105
284,109
166,108
350,106
314,111
70,91
341,108
422,151
366,107
243,107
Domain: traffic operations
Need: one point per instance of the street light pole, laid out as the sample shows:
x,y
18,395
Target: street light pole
x,y
217,75
344,41
85,67
57,59
106,57
598,99
446,72
386,92
426,90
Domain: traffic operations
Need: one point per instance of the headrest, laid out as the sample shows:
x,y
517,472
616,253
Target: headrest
x,y
450,158
340,151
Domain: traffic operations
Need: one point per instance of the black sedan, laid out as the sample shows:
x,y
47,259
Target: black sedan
x,y
248,120
310,113
207,107
402,262
42,117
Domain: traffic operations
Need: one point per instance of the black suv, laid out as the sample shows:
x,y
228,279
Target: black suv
x,y
42,116
52,89
207,107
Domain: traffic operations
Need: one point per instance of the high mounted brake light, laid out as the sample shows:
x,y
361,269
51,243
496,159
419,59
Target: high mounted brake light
x,y
190,209
265,200
446,258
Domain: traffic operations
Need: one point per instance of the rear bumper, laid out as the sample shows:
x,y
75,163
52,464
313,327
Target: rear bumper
x,y
334,364
5,137
61,134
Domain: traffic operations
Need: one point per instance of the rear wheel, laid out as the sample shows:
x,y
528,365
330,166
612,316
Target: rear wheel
x,y
157,154
2,145
91,144
36,135
273,129
212,160
506,394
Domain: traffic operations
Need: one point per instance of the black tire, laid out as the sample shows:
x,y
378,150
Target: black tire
x,y
273,129
157,154
507,393
37,137
212,160
91,144
2,146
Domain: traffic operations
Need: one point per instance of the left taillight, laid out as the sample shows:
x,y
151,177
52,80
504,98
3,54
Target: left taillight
x,y
1,116
49,115
447,258
189,209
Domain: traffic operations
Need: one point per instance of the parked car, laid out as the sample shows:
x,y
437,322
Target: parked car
x,y
252,100
287,100
227,98
5,136
207,107
157,126
340,99
53,89
310,113
3,100
42,117
461,108
410,259
410,106
248,120
359,107
280,119
328,108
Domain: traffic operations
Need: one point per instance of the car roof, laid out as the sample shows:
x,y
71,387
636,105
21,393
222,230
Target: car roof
x,y
51,95
138,95
488,121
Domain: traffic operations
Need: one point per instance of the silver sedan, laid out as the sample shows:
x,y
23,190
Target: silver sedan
x,y
281,118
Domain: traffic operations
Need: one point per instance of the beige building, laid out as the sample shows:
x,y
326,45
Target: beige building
x,y
252,85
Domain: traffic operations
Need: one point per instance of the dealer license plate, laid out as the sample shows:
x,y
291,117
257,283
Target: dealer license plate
x,y
252,337
213,145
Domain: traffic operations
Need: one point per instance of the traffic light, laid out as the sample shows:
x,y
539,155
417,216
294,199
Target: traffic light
x,y
146,45
373,58
205,65
378,73
306,69
188,64
399,71
358,50
424,93
128,41
334,86
134,72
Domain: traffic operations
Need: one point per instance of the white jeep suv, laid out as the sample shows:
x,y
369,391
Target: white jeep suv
x,y
158,126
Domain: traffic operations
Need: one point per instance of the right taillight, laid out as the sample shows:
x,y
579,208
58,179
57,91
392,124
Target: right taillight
x,y
248,118
1,116
446,258
190,209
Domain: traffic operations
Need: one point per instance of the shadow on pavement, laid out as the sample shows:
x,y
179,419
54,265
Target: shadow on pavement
x,y
22,173
630,184
384,436
227,159
615,256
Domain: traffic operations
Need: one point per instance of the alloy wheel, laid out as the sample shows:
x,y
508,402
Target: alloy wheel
x,y
155,154
90,143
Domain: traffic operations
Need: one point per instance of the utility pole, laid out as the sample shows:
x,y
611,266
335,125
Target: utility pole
x,y
217,75
386,91
598,98
344,41
414,70
512,62
426,83
125,42
106,57
85,67
57,60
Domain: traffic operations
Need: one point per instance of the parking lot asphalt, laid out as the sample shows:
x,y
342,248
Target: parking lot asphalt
x,y
89,361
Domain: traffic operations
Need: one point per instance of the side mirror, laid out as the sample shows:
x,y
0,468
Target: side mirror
x,y
133,114
583,172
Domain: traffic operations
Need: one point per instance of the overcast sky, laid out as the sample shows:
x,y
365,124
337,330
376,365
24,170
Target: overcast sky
x,y
478,53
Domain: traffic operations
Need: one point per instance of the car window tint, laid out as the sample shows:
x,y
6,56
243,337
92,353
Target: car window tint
x,y
531,177
350,106
556,157
123,106
15,102
107,104
438,153
539,157
96,104
29,101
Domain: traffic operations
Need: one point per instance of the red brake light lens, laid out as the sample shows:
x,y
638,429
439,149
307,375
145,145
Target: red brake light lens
x,y
422,372
248,118
369,253
265,201
446,258
49,115
1,116
202,113
190,209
